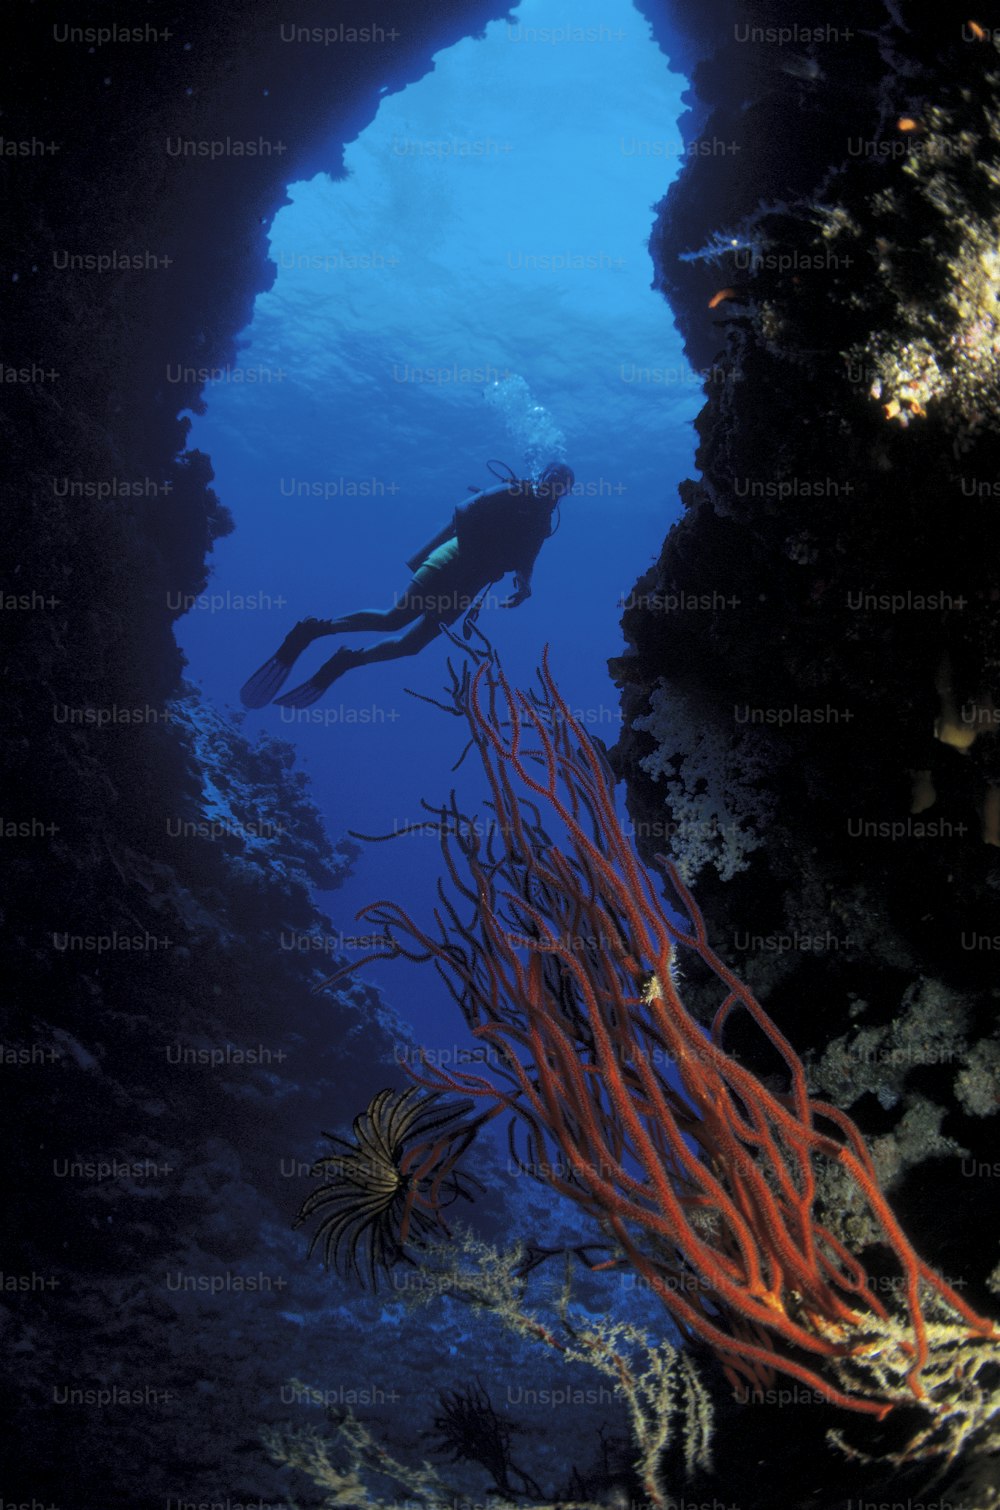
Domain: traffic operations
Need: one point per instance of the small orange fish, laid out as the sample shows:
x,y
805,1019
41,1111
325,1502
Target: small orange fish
x,y
722,294
909,123
976,30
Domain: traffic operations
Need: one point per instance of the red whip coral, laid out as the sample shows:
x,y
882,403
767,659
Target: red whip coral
x,y
705,1179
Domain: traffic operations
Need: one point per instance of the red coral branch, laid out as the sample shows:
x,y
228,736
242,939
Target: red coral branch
x,y
704,1177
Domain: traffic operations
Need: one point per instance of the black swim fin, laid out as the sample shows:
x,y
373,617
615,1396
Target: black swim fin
x,y
311,691
258,691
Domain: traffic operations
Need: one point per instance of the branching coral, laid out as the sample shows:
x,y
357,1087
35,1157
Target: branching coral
x,y
659,1383
717,796
350,1466
704,1178
346,1465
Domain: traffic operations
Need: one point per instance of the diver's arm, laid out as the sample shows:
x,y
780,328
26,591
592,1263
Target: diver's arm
x,y
522,589
523,570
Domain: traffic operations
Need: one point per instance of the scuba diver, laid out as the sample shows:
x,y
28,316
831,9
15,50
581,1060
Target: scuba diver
x,y
499,530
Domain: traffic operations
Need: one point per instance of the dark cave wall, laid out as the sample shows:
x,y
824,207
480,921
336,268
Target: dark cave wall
x,y
112,1042
116,116
848,448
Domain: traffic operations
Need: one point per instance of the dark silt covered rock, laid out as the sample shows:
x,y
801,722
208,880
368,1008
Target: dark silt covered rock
x,y
813,662
166,1066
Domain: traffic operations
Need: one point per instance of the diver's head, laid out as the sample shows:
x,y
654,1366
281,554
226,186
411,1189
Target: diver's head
x,y
556,481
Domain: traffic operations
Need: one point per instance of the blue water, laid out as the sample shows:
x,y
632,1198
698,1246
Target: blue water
x,y
478,286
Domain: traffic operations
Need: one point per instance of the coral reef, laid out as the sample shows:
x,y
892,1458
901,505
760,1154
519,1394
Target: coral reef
x,y
824,614
703,1179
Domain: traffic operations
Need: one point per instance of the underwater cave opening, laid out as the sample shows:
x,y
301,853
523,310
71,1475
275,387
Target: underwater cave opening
x,y
489,242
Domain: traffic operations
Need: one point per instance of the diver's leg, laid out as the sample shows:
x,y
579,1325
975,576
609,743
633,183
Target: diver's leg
x,y
374,618
427,592
436,595
408,605
271,677
261,687
410,643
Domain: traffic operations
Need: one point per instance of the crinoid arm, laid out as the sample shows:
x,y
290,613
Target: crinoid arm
x,y
391,1184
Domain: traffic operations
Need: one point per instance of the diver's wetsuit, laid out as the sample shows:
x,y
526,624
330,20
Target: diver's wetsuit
x,y
498,531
